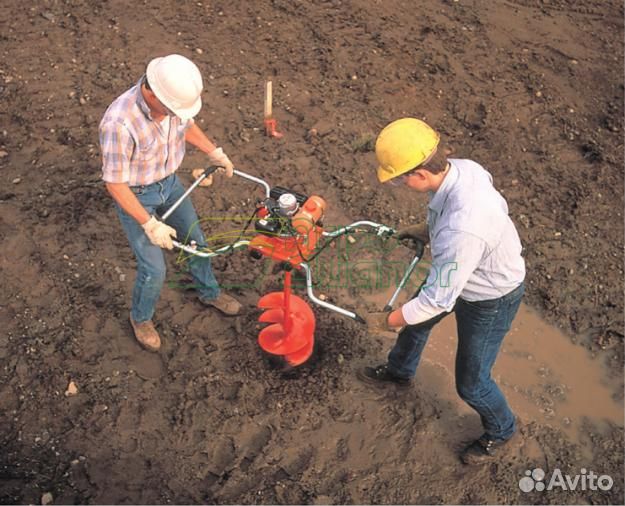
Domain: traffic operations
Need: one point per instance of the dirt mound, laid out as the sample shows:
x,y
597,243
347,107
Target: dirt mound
x,y
533,90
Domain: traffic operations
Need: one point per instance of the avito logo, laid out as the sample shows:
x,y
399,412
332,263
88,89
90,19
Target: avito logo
x,y
585,480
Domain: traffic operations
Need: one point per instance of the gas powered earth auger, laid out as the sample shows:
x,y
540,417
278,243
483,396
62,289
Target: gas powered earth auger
x,y
290,231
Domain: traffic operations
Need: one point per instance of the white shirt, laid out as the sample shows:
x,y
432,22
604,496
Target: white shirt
x,y
476,250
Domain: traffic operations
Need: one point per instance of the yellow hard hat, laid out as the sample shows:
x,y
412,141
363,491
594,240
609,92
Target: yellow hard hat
x,y
403,145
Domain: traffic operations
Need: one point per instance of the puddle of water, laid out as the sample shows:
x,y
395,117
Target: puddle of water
x,y
544,376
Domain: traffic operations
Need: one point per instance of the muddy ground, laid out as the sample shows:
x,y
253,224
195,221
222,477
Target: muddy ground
x,y
531,89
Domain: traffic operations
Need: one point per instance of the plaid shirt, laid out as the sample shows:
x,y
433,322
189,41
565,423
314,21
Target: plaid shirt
x,y
136,149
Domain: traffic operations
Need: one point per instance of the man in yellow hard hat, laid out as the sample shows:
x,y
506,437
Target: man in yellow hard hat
x,y
143,135
477,273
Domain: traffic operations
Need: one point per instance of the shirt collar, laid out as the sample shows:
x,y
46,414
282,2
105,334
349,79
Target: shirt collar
x,y
143,105
438,198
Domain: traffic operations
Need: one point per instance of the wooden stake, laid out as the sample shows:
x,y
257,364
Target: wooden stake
x,y
268,99
269,122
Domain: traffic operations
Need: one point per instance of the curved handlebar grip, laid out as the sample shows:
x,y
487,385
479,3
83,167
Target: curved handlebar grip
x,y
419,246
359,318
210,170
414,243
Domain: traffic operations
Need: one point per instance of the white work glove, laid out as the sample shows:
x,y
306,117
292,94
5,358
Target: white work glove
x,y
159,233
219,158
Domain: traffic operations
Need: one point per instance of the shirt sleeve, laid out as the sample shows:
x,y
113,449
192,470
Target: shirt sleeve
x,y
117,146
457,256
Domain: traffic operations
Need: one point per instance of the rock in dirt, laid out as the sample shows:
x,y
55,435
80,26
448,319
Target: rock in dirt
x,y
72,389
47,498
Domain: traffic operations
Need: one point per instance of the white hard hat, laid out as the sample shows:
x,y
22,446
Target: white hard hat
x,y
177,83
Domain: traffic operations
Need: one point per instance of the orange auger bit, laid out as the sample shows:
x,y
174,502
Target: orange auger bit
x,y
291,333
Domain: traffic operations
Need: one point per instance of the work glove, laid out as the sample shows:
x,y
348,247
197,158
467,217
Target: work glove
x,y
159,234
417,232
219,158
377,324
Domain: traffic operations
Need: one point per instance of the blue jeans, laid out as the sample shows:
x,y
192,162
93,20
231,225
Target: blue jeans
x,y
481,328
156,198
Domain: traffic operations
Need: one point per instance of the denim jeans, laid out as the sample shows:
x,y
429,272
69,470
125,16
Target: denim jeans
x,y
481,328
156,198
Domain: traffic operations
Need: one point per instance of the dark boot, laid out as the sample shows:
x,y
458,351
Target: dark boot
x,y
486,449
380,375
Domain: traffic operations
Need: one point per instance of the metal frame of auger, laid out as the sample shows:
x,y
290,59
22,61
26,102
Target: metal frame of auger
x,y
380,230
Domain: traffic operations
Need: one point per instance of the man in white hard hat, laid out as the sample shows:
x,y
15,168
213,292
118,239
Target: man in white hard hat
x,y
142,137
477,272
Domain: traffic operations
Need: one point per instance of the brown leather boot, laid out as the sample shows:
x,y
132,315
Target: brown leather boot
x,y
225,303
146,334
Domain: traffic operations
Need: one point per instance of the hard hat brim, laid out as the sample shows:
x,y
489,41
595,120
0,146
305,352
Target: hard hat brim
x,y
384,175
183,113
188,113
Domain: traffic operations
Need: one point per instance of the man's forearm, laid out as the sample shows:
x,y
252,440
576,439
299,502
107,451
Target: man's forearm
x,y
127,200
195,136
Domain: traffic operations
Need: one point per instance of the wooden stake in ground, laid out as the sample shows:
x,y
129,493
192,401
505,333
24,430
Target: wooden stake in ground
x,y
268,99
269,122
